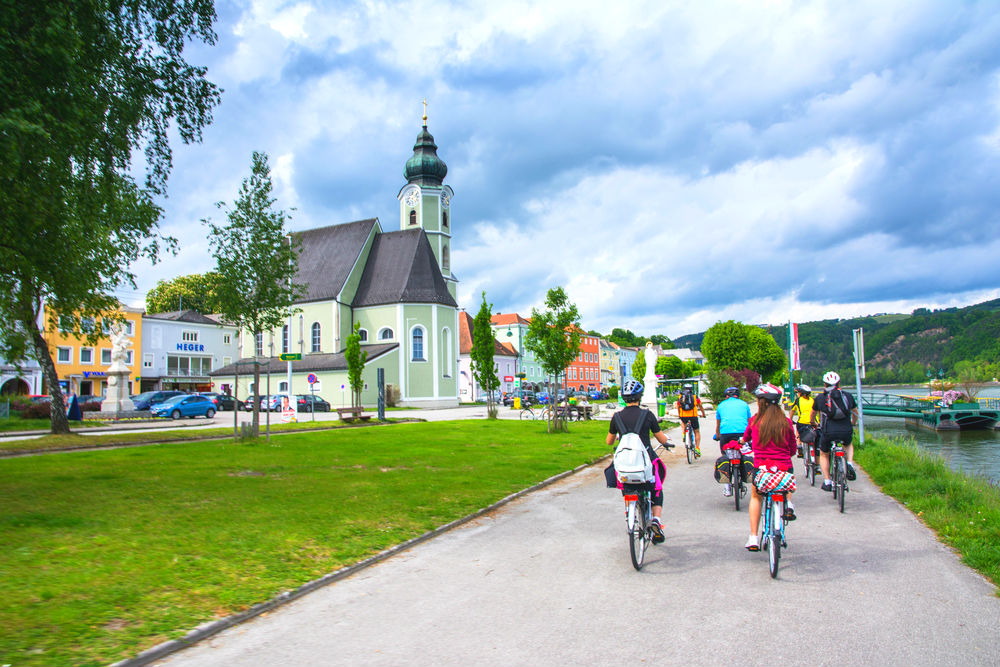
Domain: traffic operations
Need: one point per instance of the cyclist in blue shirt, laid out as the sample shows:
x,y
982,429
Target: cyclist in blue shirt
x,y
731,419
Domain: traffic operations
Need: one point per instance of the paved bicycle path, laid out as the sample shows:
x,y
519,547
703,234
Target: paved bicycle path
x,y
547,580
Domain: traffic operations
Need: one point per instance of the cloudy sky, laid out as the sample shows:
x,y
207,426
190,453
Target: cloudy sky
x,y
671,164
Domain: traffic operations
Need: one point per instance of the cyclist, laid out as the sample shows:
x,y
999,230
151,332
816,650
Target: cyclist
x,y
645,423
839,413
731,420
801,409
688,407
772,440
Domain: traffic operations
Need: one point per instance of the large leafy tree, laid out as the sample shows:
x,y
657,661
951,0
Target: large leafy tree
x,y
256,260
195,291
733,345
483,347
669,366
84,85
554,337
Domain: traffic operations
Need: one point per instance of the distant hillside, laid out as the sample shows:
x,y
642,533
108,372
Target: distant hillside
x,y
898,348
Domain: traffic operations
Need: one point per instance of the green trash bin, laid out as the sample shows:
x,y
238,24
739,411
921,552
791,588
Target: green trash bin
x,y
661,408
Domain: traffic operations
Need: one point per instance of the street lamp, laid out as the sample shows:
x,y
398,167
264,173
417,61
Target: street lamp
x,y
517,362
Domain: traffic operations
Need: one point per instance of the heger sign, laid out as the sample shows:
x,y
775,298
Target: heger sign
x,y
191,347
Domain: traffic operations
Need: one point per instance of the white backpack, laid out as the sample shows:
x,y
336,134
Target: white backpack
x,y
631,460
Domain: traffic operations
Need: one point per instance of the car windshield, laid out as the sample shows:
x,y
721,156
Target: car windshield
x,y
174,399
144,396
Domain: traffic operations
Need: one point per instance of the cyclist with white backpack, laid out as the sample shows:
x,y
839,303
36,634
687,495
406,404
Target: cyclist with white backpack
x,y
642,422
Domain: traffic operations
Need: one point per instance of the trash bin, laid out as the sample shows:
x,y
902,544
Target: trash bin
x,y
517,402
661,408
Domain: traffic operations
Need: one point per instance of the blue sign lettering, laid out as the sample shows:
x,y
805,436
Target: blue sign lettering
x,y
191,347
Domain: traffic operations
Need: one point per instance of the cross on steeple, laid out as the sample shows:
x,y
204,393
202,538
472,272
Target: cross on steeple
x,y
425,112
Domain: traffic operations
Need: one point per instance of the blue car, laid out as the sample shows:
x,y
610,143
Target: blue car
x,y
184,405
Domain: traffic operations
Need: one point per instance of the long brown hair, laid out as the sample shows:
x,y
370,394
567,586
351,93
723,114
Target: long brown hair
x,y
771,422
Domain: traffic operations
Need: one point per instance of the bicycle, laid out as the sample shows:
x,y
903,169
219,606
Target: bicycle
x,y
736,475
639,519
527,413
838,470
689,446
773,534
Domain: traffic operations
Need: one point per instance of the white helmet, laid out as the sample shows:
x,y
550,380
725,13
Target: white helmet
x,y
831,378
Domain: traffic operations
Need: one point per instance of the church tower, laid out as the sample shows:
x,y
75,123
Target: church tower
x,y
425,202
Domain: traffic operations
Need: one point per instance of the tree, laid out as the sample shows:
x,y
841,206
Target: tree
x,y
355,364
255,260
195,292
639,367
661,340
727,345
483,366
554,337
669,366
765,356
85,84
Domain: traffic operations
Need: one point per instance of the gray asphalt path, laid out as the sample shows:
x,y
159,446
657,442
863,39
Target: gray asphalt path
x,y
547,580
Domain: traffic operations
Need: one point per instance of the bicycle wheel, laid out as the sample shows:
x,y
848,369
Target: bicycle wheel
x,y
738,487
774,540
637,534
690,452
527,414
840,485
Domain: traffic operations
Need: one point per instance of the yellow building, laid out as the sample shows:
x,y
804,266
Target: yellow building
x,y
82,366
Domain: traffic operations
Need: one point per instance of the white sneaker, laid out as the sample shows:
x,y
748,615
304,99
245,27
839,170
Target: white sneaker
x,y
753,544
727,490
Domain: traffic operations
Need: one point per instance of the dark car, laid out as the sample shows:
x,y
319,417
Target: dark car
x,y
527,398
222,401
311,403
144,400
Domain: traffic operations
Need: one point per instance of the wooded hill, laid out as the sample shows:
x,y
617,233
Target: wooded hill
x,y
898,347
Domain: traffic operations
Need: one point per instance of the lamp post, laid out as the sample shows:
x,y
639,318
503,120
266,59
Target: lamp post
x,y
517,362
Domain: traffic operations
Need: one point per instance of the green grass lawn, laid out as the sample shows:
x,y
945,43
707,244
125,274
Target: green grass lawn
x,y
18,423
963,510
110,552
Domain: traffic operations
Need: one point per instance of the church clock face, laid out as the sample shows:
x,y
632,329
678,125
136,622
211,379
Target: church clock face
x,y
445,199
413,198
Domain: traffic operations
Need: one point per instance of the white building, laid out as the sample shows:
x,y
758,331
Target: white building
x,y
181,348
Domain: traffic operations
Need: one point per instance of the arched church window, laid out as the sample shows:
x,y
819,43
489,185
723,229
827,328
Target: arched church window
x,y
317,338
444,219
385,333
363,335
413,217
445,259
418,344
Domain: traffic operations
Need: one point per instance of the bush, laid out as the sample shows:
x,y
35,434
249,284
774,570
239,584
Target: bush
x,y
391,396
90,406
613,392
37,410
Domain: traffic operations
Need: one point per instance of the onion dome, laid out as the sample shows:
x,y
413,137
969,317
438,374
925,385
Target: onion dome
x,y
425,167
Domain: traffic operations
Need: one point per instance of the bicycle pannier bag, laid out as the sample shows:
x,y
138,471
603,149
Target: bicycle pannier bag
x,y
610,478
723,470
808,435
778,481
687,400
631,460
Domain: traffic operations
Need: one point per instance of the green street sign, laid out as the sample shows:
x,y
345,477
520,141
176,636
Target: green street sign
x,y
290,356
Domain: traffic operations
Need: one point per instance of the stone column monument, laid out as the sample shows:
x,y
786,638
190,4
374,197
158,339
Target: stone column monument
x,y
118,400
649,379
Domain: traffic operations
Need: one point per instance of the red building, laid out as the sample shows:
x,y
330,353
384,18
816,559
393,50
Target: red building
x,y
584,374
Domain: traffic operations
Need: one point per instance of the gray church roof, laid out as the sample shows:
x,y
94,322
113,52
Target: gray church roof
x,y
191,316
326,257
402,268
326,361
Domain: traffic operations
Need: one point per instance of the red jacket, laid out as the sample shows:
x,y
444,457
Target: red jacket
x,y
767,454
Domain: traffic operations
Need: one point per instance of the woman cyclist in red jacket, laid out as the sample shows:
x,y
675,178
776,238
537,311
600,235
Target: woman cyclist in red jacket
x,y
771,435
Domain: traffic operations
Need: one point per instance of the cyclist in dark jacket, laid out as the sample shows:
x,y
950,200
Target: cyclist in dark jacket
x,y
632,415
839,413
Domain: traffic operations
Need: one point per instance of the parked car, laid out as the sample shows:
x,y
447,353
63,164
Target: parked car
x,y
497,396
311,403
184,405
527,398
598,395
147,399
222,401
40,398
542,397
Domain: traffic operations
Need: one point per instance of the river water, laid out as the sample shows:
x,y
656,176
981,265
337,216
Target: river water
x,y
973,452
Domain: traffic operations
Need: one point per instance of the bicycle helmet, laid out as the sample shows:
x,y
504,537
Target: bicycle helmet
x,y
631,390
732,391
768,392
805,389
831,379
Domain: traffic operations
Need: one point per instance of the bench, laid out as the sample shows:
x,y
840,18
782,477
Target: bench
x,y
350,414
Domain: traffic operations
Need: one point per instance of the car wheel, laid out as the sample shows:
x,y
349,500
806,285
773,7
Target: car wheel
x,y
176,414
209,413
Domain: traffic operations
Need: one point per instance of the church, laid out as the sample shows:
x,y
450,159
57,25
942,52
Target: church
x,y
397,285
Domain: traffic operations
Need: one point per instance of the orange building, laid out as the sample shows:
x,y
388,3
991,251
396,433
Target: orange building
x,y
82,366
584,374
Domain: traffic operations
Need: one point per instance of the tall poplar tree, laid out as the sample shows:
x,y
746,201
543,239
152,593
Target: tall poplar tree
x,y
483,365
256,260
83,86
355,364
554,337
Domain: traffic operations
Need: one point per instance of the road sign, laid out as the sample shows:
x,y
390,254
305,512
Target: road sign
x,y
311,378
290,356
508,378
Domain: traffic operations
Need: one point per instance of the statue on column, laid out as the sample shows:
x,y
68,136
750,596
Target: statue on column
x,y
118,399
649,379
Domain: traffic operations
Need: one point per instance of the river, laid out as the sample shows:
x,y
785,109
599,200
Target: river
x,y
974,452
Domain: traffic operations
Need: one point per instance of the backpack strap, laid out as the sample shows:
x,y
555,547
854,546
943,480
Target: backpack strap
x,y
620,423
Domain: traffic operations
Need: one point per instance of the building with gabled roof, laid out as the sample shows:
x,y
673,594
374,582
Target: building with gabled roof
x,y
396,286
504,358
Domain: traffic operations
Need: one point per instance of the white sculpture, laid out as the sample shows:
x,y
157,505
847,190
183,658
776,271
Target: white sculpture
x,y
649,379
117,399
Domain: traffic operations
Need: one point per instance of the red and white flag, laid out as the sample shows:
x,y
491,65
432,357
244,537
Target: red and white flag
x,y
793,346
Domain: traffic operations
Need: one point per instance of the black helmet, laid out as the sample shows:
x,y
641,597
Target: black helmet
x,y
631,390
732,391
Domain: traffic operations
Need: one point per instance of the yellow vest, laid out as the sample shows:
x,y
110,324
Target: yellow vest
x,y
803,407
